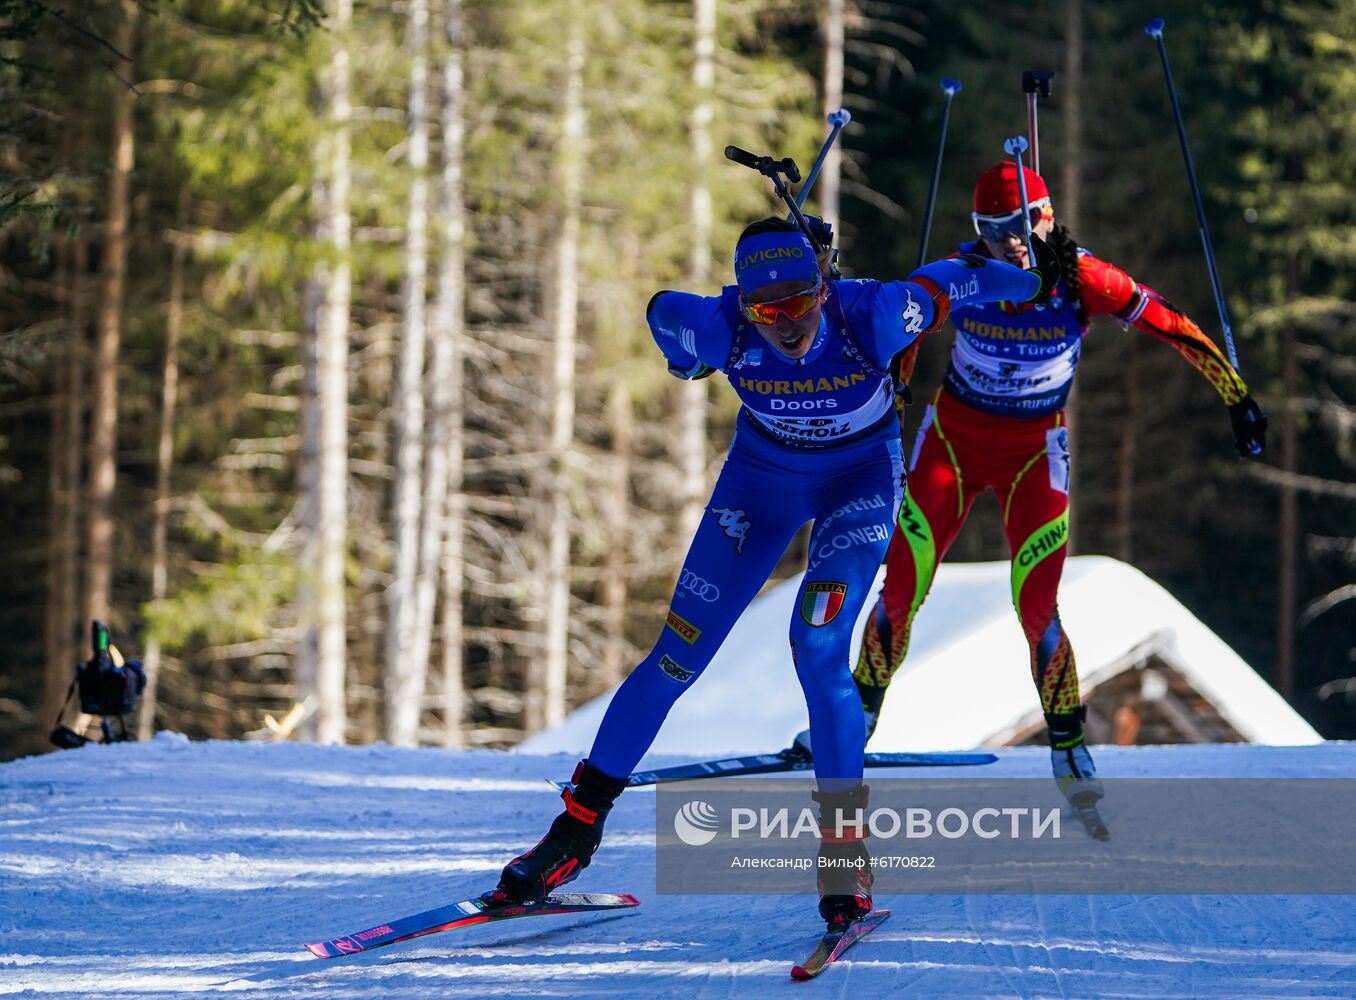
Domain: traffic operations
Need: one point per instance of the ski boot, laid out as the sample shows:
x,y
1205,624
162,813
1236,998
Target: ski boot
x,y
872,698
1070,761
844,875
568,846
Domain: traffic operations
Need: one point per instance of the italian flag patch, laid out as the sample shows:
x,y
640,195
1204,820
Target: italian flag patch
x,y
821,602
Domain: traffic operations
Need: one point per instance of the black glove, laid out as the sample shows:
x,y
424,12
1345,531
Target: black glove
x,y
1046,267
1250,427
698,370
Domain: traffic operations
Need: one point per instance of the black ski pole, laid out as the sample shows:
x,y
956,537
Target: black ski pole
x,y
1154,29
951,88
1035,84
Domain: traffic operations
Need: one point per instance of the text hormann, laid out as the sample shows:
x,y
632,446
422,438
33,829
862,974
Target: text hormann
x,y
782,387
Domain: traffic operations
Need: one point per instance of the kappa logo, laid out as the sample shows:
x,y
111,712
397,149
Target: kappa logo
x,y
736,525
697,587
912,315
673,671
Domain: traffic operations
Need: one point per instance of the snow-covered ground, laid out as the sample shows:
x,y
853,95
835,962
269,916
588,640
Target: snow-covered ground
x,y
175,868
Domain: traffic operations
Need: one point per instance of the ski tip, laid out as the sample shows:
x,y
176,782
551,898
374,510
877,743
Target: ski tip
x,y
318,950
799,973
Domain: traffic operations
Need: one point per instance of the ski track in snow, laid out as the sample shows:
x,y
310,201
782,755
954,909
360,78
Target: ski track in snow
x,y
174,869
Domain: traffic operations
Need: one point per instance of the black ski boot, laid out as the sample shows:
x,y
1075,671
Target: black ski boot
x,y
844,869
1069,759
568,846
872,699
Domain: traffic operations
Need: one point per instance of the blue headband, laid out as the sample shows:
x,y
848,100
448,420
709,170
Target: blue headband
x,y
769,257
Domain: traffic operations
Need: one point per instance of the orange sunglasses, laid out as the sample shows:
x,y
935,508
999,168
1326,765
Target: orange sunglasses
x,y
791,306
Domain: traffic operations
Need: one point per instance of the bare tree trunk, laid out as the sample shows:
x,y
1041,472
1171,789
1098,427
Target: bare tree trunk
x,y
693,394
406,648
1287,534
546,705
306,668
444,511
452,633
69,530
322,659
108,328
833,100
618,515
169,397
1069,199
56,624
1125,466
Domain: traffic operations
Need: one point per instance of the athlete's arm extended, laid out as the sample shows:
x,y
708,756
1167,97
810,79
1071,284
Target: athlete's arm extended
x,y
902,311
1105,288
690,331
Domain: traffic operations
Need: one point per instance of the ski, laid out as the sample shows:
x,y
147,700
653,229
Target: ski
x,y
770,763
836,941
464,914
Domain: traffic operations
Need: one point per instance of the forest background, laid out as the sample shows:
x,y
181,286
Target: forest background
x,y
324,375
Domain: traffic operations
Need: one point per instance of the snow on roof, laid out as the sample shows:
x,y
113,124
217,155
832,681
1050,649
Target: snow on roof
x,y
967,680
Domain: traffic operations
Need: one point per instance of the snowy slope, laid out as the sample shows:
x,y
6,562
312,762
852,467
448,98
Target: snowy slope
x,y
966,644
182,869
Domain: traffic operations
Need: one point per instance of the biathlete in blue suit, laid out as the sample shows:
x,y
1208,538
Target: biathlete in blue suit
x,y
817,440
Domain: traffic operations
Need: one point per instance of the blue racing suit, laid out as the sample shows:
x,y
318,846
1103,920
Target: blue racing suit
x,y
816,440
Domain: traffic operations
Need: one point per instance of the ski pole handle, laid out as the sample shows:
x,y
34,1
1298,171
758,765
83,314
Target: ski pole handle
x,y
1015,147
950,88
1154,29
836,119
1035,84
773,170
742,156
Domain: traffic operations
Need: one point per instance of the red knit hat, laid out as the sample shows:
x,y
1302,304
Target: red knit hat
x,y
996,190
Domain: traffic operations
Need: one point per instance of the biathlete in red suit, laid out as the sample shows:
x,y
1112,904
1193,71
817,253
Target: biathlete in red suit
x,y
998,423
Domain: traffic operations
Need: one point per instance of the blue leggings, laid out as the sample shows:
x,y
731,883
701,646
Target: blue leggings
x,y
765,493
